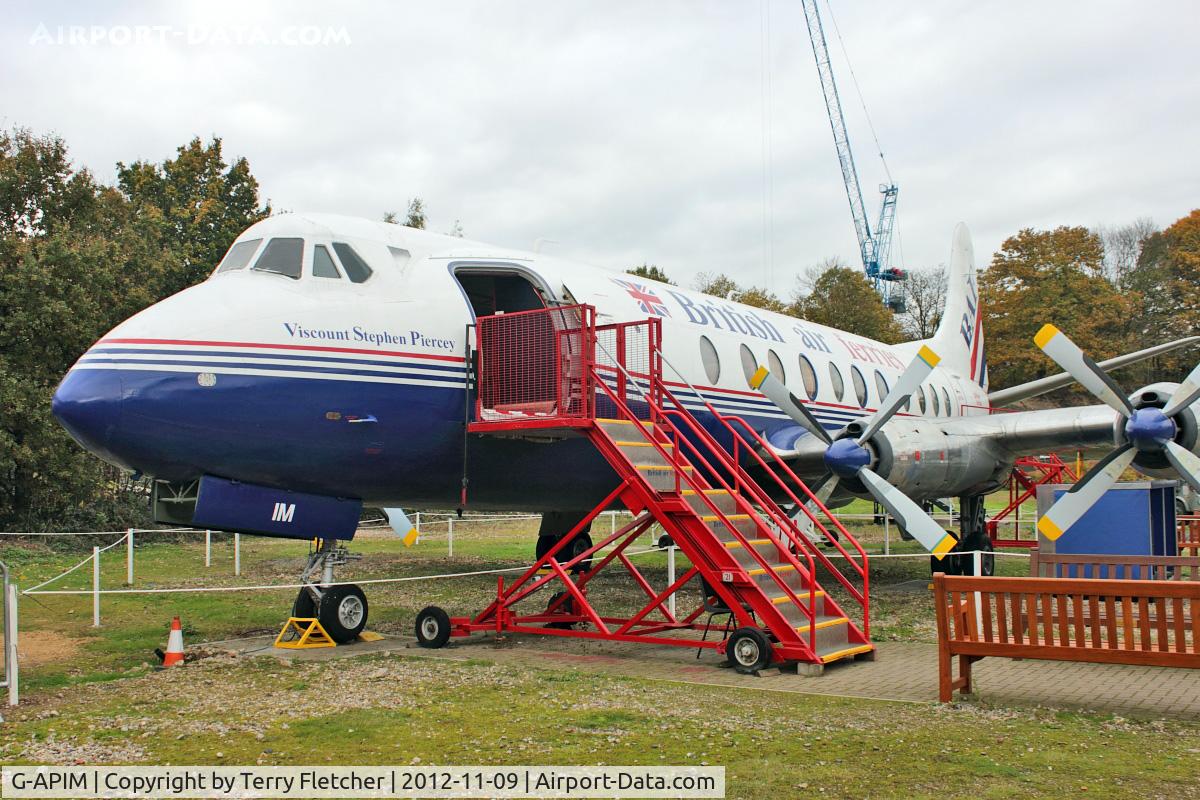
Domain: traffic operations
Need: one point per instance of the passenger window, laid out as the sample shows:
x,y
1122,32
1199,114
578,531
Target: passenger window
x,y
946,399
835,378
356,269
239,255
776,366
809,375
323,266
860,386
749,363
920,395
712,362
881,385
282,256
933,401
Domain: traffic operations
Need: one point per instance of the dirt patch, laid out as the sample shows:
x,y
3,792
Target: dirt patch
x,y
45,647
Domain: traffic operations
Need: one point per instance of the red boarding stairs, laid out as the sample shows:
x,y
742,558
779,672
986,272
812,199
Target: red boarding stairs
x,y
553,374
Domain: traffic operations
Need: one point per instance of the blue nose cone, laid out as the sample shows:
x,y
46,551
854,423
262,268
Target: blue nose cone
x,y
846,457
1149,429
88,404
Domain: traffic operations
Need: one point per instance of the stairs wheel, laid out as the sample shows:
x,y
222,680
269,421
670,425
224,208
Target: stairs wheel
x,y
665,541
748,650
432,627
566,608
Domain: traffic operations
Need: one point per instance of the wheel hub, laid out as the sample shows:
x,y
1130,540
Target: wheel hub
x,y
350,612
746,652
429,628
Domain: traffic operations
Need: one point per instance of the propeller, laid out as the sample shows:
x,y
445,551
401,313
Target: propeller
x,y
848,457
402,525
1147,430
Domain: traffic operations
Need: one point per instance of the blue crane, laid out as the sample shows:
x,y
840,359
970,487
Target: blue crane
x,y
874,248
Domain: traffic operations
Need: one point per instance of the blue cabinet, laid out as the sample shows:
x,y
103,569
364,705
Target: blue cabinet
x,y
1136,518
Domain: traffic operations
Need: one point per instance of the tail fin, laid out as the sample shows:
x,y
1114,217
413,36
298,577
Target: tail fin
x,y
959,337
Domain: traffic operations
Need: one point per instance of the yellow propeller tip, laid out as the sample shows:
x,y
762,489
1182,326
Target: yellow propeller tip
x,y
410,537
1044,336
928,356
756,380
944,546
1048,529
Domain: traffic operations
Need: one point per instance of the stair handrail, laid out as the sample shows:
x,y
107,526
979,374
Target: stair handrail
x,y
863,570
809,610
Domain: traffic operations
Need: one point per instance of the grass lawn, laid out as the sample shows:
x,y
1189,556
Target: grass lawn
x,y
91,696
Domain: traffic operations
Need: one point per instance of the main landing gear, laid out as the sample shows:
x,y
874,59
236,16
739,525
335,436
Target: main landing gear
x,y
342,609
973,536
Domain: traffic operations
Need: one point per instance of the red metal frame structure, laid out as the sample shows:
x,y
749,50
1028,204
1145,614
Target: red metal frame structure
x,y
1028,473
554,372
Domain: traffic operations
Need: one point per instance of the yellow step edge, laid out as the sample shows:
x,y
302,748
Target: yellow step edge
x,y
850,651
803,595
715,518
751,541
780,568
706,491
662,466
643,423
829,623
663,445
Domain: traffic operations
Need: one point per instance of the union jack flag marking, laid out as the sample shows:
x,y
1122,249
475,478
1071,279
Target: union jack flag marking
x,y
648,301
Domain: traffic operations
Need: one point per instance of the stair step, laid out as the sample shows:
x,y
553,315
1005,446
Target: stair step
x,y
822,623
623,429
646,454
801,593
662,477
746,524
722,499
827,656
774,568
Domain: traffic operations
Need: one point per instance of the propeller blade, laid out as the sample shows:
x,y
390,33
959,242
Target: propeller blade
x,y
777,393
1186,463
911,516
823,492
1187,393
402,526
1067,355
1080,497
913,376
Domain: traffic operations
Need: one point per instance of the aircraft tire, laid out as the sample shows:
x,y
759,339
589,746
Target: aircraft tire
x,y
305,606
566,608
432,628
343,612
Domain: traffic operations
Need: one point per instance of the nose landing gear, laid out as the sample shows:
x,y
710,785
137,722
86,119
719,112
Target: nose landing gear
x,y
341,609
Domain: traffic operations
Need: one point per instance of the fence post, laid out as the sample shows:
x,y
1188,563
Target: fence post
x,y
208,548
237,554
418,524
671,578
612,522
450,538
95,587
10,642
977,569
129,557
887,534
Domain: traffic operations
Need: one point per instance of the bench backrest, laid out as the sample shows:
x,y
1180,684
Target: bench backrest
x,y
1113,621
1109,567
1189,536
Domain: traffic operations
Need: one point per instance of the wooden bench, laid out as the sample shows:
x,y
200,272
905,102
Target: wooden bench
x,y
1189,536
1109,567
1151,623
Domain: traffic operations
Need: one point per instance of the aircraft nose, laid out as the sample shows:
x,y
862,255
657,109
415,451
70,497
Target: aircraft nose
x,y
88,404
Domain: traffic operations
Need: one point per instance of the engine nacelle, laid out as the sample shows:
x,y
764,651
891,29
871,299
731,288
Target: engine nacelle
x,y
916,457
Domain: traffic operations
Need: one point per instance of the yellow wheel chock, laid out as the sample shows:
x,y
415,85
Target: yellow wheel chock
x,y
303,633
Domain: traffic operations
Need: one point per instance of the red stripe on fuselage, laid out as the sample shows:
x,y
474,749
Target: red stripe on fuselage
x,y
316,348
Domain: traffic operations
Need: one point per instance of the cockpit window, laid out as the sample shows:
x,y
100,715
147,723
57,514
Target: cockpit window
x,y
239,255
356,269
283,256
323,266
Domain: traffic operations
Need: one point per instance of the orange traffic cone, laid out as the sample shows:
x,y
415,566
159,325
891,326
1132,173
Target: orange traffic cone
x,y
174,654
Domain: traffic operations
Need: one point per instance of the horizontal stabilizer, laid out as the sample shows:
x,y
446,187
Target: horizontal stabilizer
x,y
1041,386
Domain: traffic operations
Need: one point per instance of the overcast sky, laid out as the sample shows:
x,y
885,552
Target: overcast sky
x,y
637,131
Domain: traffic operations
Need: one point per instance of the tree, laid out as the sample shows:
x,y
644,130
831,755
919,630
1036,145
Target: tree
x,y
1052,276
202,202
924,300
716,285
416,214
651,272
75,258
843,298
1167,281
1123,247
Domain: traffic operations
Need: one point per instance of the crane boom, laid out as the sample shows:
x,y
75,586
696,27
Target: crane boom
x,y
873,247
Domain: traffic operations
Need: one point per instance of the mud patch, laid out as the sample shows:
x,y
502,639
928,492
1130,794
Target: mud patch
x,y
45,647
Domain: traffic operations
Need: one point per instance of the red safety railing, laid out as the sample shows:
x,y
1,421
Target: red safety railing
x,y
1028,473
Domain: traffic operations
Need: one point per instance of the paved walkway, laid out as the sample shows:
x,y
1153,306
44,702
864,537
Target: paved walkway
x,y
903,671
